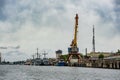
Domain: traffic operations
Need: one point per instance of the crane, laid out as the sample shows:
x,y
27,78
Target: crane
x,y
73,45
73,49
74,41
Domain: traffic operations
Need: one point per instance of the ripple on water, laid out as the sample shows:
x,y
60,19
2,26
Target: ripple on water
x,y
16,72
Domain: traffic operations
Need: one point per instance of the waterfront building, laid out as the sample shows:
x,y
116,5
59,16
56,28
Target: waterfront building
x,y
110,60
95,60
96,54
58,54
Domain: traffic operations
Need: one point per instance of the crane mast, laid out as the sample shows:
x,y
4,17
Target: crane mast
x,y
74,41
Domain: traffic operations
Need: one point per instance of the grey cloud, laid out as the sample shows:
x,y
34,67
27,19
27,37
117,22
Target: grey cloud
x,y
117,12
104,15
49,24
39,13
104,11
15,55
2,15
2,2
117,1
16,52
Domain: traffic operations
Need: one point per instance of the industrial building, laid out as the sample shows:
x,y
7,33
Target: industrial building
x,y
58,54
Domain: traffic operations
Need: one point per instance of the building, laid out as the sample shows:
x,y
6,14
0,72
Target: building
x,y
94,58
96,54
58,54
110,60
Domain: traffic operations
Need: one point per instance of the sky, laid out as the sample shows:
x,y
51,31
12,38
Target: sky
x,y
26,25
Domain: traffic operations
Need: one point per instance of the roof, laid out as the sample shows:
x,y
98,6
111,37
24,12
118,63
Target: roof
x,y
96,54
59,52
113,57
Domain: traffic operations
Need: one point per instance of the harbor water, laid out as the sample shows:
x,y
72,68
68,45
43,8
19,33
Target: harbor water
x,y
23,72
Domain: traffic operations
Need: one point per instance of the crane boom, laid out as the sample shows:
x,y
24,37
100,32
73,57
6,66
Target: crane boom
x,y
74,42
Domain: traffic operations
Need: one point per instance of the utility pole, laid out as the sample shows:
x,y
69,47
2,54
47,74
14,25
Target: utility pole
x,y
93,42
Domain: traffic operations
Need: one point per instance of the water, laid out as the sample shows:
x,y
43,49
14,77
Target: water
x,y
21,72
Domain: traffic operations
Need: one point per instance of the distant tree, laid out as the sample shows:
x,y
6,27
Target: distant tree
x,y
81,55
77,56
101,56
118,51
64,57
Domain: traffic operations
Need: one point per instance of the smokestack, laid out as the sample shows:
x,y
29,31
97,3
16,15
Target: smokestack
x,y
86,51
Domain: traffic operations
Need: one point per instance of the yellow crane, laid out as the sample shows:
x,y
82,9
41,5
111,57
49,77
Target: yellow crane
x,y
73,50
74,41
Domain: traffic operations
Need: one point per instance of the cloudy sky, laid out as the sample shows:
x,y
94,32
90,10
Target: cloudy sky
x,y
49,25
